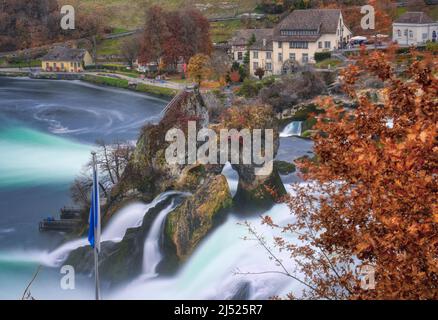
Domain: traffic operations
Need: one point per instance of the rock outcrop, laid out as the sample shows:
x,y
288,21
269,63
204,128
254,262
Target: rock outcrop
x,y
196,217
148,174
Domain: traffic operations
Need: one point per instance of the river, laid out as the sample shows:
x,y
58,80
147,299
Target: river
x,y
47,130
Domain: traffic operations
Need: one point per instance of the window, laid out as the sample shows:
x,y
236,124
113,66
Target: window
x,y
399,33
255,65
327,45
411,34
298,45
280,45
425,36
406,33
240,56
305,58
269,66
47,65
320,44
268,55
62,65
280,57
299,32
255,55
292,56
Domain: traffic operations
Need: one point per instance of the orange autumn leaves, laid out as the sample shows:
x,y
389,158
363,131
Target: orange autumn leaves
x,y
373,196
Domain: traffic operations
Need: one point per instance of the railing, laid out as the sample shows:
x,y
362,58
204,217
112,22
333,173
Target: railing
x,y
176,100
59,225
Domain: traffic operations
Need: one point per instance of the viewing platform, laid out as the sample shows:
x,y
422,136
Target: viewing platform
x,y
70,219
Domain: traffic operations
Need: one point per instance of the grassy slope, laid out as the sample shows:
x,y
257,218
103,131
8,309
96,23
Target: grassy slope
x,y
125,15
129,14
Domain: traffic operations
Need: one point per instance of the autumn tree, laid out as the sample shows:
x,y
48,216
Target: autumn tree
x,y
25,24
199,68
371,190
175,35
130,49
155,32
260,72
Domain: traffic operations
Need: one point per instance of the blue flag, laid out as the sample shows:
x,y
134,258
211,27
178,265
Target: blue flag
x,y
94,231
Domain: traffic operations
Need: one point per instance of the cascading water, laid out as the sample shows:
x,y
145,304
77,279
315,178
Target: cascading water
x,y
221,261
292,129
232,178
151,252
128,217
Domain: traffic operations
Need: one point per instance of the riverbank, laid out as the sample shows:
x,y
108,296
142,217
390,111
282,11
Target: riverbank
x,y
158,91
104,80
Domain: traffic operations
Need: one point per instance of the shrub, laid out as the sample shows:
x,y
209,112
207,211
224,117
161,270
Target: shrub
x,y
320,56
250,88
432,47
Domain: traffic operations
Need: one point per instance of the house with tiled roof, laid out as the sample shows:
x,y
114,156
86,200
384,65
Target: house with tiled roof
x,y
414,28
296,39
260,54
63,59
303,33
241,39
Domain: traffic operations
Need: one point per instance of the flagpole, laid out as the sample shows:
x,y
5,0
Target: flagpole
x,y
96,231
96,272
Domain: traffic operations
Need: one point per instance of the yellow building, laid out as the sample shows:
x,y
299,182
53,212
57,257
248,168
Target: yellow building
x,y
62,59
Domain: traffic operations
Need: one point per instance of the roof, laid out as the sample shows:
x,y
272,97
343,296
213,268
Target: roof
x,y
261,45
414,18
65,54
241,37
320,21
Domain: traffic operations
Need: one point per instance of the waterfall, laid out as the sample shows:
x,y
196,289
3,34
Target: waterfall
x,y
210,272
130,216
294,128
232,178
151,252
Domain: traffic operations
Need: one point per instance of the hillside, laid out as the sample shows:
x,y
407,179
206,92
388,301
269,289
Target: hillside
x,y
129,14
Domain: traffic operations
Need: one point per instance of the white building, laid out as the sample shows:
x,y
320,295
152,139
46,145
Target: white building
x,y
239,42
261,56
296,39
305,32
414,28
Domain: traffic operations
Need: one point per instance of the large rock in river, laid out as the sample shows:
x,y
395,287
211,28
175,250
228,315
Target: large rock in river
x,y
196,217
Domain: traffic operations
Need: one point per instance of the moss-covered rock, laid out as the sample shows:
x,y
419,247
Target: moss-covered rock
x,y
196,217
256,194
284,168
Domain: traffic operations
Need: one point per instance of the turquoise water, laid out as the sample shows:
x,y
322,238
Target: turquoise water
x,y
31,158
47,131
